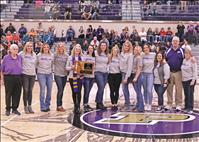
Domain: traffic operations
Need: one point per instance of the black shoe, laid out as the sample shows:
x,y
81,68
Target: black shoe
x,y
87,108
101,106
48,109
7,112
16,112
44,110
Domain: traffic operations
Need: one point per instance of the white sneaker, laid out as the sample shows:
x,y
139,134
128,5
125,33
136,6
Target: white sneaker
x,y
178,108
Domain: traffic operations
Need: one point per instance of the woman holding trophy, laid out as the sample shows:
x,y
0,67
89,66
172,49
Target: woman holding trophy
x,y
89,59
75,75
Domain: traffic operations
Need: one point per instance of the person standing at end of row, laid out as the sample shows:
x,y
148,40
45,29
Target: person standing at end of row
x,y
189,77
12,70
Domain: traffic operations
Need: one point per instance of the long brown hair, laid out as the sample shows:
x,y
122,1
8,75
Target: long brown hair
x,y
99,50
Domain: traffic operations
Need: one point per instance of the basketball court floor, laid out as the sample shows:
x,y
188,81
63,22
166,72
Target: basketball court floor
x,y
97,126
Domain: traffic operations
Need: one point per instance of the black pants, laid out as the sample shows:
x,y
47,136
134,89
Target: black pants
x,y
28,83
188,92
114,81
76,95
13,85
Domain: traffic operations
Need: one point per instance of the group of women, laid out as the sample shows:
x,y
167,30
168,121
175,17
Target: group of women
x,y
116,68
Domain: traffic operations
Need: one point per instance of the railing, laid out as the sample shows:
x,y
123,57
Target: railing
x,y
169,11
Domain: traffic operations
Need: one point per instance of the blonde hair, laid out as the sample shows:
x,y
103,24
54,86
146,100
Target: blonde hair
x,y
129,44
139,49
187,50
77,46
111,54
60,44
25,47
42,47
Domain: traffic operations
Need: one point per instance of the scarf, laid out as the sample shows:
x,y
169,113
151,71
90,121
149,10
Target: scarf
x,y
75,85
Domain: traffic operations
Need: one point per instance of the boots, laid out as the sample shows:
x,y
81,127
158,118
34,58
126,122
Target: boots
x,y
30,109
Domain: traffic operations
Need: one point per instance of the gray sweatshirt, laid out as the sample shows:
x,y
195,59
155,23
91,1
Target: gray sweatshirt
x,y
114,65
164,74
29,63
189,70
60,64
137,62
89,59
126,63
44,63
148,62
101,62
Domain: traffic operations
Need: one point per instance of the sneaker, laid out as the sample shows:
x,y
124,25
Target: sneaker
x,y
30,109
7,112
167,109
16,112
26,110
178,109
190,112
61,109
44,110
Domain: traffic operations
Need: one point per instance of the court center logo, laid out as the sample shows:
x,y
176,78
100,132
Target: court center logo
x,y
131,124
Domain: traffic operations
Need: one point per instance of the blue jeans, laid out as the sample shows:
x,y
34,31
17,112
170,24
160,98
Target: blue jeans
x,y
28,83
137,86
189,94
45,80
125,89
160,89
101,80
88,84
147,81
60,82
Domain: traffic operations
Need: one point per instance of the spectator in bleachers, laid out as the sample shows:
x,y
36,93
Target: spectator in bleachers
x,y
95,12
186,45
162,35
32,33
89,32
86,12
22,31
84,45
190,33
183,4
104,39
81,33
100,32
10,28
56,11
68,12
180,31
169,34
150,35
9,37
15,38
70,34
1,31
156,35
143,36
95,42
47,9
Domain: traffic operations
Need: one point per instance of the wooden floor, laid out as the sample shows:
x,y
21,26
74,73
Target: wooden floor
x,y
53,126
